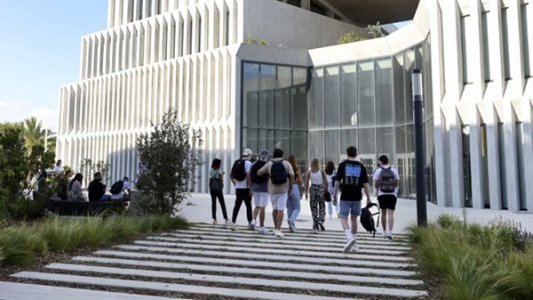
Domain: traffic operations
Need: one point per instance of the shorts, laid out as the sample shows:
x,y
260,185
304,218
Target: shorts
x,y
260,199
279,201
387,201
349,208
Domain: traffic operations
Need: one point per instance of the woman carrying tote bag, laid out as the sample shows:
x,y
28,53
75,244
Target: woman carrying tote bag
x,y
216,176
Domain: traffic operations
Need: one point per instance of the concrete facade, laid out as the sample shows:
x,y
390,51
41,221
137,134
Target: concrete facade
x,y
189,55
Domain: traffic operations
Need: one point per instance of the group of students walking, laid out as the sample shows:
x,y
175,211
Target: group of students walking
x,y
280,182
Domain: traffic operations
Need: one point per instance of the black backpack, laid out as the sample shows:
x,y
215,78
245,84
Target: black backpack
x,y
278,173
256,178
237,171
387,180
367,217
116,188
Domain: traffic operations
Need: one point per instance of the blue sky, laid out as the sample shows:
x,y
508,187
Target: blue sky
x,y
40,51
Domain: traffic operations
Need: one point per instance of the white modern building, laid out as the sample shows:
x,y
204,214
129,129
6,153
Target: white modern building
x,y
266,73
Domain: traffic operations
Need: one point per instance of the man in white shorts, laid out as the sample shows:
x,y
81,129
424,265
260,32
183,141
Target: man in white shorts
x,y
281,179
260,191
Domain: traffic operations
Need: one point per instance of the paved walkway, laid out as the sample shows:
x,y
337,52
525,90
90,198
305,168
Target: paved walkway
x,y
199,210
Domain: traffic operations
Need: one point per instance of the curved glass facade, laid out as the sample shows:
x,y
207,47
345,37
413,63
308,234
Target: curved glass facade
x,y
363,103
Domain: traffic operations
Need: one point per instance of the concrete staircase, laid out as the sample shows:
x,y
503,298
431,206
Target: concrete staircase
x,y
206,262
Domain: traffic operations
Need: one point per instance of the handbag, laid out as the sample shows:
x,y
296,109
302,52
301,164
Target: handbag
x,y
327,196
215,185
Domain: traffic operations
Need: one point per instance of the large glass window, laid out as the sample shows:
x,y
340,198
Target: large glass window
x,y
275,108
331,97
348,96
316,99
365,93
384,104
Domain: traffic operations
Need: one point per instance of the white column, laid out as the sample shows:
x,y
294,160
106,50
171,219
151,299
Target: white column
x,y
453,84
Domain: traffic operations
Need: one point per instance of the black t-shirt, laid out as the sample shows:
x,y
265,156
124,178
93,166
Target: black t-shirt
x,y
352,175
96,190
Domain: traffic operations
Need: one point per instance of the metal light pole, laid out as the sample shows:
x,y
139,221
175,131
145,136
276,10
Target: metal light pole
x,y
421,210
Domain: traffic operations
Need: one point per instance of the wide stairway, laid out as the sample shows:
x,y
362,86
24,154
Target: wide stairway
x,y
206,262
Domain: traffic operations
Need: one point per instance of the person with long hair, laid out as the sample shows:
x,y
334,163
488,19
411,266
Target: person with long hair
x,y
74,188
216,179
315,186
293,202
330,174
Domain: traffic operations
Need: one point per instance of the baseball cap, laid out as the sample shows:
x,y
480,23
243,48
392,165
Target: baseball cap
x,y
247,152
264,152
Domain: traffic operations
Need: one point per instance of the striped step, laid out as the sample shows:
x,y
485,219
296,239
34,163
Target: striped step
x,y
301,230
203,262
165,287
318,248
274,251
283,258
25,291
290,236
177,267
258,264
267,240
348,289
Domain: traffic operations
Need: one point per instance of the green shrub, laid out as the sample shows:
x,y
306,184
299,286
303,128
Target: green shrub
x,y
21,244
477,262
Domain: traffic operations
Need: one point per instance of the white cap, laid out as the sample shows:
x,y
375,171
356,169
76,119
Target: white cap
x,y
247,152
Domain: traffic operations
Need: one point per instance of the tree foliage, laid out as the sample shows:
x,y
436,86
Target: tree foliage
x,y
373,31
17,169
165,164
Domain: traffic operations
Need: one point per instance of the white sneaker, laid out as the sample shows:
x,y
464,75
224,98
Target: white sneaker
x,y
389,236
262,230
214,222
278,233
354,248
233,227
384,233
252,225
349,245
227,223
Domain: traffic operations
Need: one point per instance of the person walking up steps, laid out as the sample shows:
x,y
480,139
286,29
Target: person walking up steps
x,y
351,178
216,179
260,191
330,174
293,202
240,177
386,181
315,187
281,179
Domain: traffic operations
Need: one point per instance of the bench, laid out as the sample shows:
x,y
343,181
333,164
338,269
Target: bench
x,y
83,208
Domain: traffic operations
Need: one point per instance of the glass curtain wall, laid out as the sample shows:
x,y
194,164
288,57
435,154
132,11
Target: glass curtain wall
x,y
275,109
369,104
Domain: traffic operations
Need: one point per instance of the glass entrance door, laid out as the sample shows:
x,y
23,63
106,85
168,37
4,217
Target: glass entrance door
x,y
370,163
406,169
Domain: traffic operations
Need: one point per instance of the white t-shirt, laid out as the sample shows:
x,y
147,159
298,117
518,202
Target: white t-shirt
x,y
244,184
378,173
316,177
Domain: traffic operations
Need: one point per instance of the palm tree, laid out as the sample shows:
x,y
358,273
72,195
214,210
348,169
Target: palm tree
x,y
33,134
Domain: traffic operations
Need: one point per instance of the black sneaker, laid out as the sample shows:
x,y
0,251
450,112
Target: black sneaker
x,y
321,226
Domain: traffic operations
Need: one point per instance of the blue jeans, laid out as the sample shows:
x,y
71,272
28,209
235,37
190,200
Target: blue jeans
x,y
293,204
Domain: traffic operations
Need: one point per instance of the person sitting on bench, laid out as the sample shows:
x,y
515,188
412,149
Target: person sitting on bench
x,y
120,190
74,189
97,189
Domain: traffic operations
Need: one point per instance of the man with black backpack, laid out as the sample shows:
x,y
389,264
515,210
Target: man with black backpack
x,y
386,181
240,177
260,191
351,179
281,179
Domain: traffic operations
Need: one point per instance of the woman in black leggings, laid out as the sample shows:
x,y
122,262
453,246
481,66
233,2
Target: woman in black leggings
x,y
216,176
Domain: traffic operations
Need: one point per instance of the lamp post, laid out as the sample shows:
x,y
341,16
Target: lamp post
x,y
421,210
